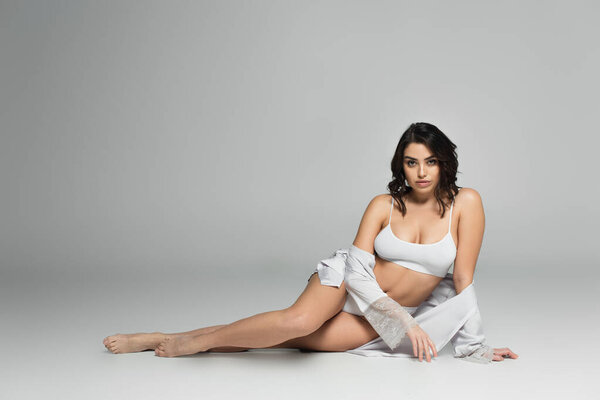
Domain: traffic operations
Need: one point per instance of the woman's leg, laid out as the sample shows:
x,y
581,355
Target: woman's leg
x,y
195,332
343,332
135,342
316,304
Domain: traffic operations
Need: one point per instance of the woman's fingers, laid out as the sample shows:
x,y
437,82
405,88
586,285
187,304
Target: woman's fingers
x,y
433,348
429,346
424,350
423,346
426,347
414,343
505,352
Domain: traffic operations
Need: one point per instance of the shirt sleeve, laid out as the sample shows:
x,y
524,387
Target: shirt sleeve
x,y
470,343
389,319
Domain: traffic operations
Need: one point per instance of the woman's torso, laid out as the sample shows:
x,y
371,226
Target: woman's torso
x,y
406,286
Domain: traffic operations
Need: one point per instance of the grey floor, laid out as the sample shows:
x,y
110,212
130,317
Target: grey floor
x,y
53,330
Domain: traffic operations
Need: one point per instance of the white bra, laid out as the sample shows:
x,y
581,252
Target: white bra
x,y
430,258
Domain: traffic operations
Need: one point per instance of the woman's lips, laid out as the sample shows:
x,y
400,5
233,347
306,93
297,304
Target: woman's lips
x,y
423,183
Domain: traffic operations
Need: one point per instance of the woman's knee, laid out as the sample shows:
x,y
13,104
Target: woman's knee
x,y
299,321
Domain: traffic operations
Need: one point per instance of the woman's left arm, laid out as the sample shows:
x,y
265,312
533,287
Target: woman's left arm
x,y
471,225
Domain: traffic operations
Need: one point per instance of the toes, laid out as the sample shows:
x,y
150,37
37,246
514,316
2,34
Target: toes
x,y
161,352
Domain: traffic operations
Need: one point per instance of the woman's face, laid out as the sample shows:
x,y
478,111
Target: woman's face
x,y
421,165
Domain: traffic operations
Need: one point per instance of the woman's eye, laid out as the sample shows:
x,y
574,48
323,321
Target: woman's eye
x,y
410,163
432,162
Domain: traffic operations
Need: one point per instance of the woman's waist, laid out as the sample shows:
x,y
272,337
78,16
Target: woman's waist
x,y
407,287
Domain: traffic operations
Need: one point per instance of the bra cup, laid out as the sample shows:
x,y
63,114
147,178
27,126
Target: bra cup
x,y
434,259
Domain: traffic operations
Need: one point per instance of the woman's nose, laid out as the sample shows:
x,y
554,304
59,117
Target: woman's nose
x,y
422,172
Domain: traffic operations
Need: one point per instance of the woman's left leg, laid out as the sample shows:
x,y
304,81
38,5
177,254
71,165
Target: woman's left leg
x,y
135,342
343,332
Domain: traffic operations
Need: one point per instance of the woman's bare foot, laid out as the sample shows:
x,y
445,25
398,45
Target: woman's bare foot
x,y
180,345
133,342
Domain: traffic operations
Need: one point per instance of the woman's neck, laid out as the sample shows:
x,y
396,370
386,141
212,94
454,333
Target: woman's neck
x,y
421,199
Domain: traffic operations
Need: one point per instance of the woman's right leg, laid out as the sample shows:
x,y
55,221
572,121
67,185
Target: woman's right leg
x,y
317,304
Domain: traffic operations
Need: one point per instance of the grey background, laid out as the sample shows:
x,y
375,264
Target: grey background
x,y
172,165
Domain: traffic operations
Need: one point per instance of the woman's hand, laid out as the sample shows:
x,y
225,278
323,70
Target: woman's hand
x,y
421,343
502,353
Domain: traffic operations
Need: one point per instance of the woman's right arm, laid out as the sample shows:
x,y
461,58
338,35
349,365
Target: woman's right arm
x,y
389,319
370,224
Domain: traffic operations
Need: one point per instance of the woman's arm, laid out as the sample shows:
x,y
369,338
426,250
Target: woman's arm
x,y
469,342
371,222
388,318
471,225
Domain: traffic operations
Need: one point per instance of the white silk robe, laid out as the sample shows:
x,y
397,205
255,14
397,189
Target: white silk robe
x,y
444,315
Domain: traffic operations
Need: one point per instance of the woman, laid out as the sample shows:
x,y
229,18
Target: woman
x,y
353,300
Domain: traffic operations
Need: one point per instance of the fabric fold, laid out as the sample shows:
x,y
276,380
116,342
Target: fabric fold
x,y
331,270
444,315
388,318
447,318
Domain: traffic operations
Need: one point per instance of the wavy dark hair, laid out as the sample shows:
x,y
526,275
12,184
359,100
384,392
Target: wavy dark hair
x,y
445,152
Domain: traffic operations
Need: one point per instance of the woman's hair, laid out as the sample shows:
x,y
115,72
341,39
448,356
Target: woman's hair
x,y
441,147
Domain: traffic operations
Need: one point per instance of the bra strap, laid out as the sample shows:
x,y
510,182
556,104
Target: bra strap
x,y
450,222
391,209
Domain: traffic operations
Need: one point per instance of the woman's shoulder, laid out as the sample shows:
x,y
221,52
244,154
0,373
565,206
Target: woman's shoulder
x,y
377,212
468,195
468,198
381,199
380,204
